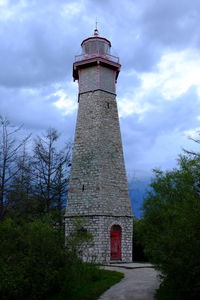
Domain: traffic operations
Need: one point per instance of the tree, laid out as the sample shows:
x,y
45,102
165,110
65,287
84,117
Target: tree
x,y
170,229
60,184
9,148
21,197
190,152
138,248
51,173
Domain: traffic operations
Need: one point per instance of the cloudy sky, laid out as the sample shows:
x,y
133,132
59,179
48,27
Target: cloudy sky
x,y
158,88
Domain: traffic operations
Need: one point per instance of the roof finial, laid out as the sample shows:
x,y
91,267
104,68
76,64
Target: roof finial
x,y
96,31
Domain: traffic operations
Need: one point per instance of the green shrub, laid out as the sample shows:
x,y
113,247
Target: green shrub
x,y
170,229
34,264
32,256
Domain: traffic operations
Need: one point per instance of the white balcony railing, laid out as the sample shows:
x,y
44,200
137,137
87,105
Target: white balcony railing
x,y
105,56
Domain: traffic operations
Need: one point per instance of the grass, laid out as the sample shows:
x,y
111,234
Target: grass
x,y
91,289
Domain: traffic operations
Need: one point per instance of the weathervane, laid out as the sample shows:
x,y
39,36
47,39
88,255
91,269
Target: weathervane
x,y
96,32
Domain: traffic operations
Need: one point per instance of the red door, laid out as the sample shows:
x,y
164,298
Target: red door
x,y
115,242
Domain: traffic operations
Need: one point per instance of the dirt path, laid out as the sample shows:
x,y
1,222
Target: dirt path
x,y
139,283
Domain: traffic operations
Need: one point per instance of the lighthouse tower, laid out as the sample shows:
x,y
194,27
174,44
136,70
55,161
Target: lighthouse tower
x,y
98,193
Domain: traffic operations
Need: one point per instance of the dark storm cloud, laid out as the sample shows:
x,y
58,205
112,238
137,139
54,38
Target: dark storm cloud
x,y
172,23
169,115
37,46
142,30
125,81
35,109
38,41
163,128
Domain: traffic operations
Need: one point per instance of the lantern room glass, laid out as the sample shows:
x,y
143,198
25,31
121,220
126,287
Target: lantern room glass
x,y
96,47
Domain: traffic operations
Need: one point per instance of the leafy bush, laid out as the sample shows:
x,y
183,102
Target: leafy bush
x,y
32,257
34,264
138,247
170,229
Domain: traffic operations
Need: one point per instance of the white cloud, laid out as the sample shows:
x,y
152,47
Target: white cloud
x,y
192,133
3,2
71,9
128,106
176,73
67,105
11,12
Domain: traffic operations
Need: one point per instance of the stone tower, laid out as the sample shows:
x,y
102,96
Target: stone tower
x,y
98,191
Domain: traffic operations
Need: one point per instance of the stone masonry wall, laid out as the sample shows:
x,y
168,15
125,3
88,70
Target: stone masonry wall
x,y
98,189
98,183
99,226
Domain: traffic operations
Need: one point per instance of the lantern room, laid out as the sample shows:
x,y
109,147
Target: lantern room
x,y
96,52
96,45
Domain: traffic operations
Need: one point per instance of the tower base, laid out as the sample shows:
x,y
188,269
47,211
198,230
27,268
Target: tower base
x,y
111,237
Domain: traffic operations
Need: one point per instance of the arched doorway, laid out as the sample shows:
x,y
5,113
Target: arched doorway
x,y
115,242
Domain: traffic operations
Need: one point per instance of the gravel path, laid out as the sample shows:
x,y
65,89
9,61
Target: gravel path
x,y
139,283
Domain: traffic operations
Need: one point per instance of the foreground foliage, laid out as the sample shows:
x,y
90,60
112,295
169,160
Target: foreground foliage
x,y
138,247
170,229
34,264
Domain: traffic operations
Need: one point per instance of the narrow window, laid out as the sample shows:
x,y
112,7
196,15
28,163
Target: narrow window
x,y
83,188
108,105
